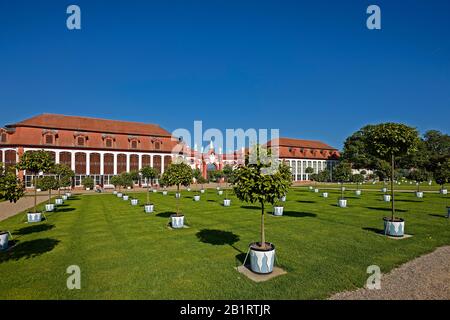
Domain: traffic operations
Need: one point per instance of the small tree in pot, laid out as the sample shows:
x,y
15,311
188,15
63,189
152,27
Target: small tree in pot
x,y
178,174
358,179
419,175
126,180
265,180
48,183
116,181
228,178
88,183
149,174
202,181
309,171
35,162
197,176
11,189
64,177
388,141
441,175
219,176
342,173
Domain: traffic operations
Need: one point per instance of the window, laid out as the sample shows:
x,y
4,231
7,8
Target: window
x,y
108,143
134,144
80,141
3,137
157,145
49,139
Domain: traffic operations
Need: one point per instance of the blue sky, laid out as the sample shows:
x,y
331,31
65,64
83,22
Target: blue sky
x,y
310,68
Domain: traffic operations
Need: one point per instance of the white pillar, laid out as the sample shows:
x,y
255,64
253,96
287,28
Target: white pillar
x,y
151,160
101,164
88,163
162,164
128,162
140,161
115,163
56,156
72,161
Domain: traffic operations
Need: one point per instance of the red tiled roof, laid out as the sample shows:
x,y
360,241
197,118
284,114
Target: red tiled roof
x,y
300,143
58,121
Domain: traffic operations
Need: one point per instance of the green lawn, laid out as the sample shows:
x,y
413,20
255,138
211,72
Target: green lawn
x,y
125,253
377,186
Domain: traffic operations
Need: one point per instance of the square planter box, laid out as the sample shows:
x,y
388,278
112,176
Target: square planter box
x,y
164,193
154,190
277,211
177,195
325,194
386,197
342,203
196,198
419,194
444,191
316,190
283,199
4,239
64,197
148,208
177,222
49,207
358,192
115,192
384,190
202,191
220,192
226,202
125,198
34,217
134,202
59,201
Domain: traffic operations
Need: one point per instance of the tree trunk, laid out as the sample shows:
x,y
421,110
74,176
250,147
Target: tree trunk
x,y
35,193
49,195
178,200
392,186
263,234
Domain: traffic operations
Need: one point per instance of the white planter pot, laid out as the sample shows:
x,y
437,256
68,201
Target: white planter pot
x,y
49,207
87,189
386,197
125,198
283,199
277,211
119,195
148,208
38,190
444,191
220,192
188,189
384,190
325,194
134,202
202,191
316,190
262,261
419,194
226,202
164,193
358,192
217,188
342,203
310,187
394,228
177,222
129,188
64,197
4,239
68,194
154,191
59,201
115,192
196,198
34,217
177,195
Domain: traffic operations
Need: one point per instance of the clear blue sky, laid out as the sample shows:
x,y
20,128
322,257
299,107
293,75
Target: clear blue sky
x,y
310,68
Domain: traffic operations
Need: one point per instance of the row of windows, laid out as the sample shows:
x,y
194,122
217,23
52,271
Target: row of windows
x,y
81,141
100,180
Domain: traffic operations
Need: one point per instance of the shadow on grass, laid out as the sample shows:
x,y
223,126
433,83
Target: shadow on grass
x,y
165,214
65,210
439,215
33,229
299,214
29,249
251,207
306,201
211,200
217,237
385,209
407,200
375,230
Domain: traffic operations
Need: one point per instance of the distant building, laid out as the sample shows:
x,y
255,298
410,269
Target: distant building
x,y
103,148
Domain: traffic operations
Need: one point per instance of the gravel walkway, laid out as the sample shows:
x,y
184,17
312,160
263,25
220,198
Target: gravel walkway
x,y
426,277
8,209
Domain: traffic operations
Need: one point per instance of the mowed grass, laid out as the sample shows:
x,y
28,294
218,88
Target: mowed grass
x,y
124,253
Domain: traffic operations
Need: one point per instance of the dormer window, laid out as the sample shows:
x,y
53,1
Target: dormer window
x,y
134,144
49,139
108,143
80,141
3,137
157,145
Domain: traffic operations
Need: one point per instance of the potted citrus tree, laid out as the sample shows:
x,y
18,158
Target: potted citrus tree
x,y
202,182
388,141
126,180
441,175
197,175
64,177
261,180
11,189
419,175
35,163
342,173
116,181
309,171
228,178
149,174
358,179
178,174
88,183
48,183
218,175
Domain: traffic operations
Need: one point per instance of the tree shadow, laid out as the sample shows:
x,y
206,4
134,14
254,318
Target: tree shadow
x,y
241,257
299,214
251,207
211,200
306,201
386,209
29,249
438,215
217,237
33,229
65,210
407,200
375,230
165,214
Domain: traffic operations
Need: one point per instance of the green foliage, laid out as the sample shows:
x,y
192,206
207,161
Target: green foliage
x,y
11,188
309,170
196,173
419,175
64,175
88,182
442,173
357,178
126,179
35,162
47,183
228,173
178,174
342,172
116,181
149,173
134,175
355,150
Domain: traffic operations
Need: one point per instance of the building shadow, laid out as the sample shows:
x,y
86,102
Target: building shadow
x,y
32,229
29,249
299,214
165,214
386,209
217,237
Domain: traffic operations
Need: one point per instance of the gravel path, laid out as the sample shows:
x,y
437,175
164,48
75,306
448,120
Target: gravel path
x,y
8,209
426,277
